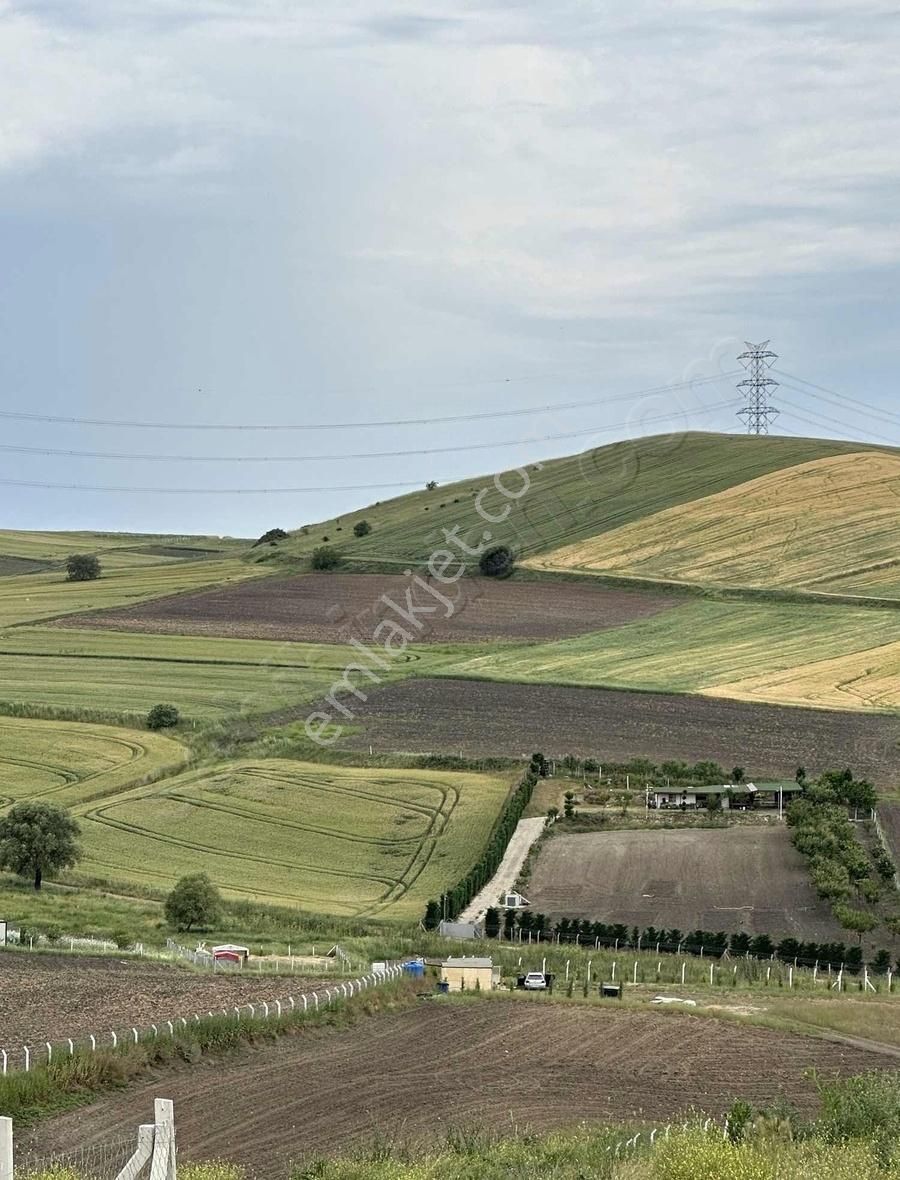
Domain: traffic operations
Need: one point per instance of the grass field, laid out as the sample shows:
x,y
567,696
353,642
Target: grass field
x,y
569,499
56,546
344,841
709,646
71,763
804,526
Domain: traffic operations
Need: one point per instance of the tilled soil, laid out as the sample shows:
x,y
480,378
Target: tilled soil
x,y
52,997
497,1064
482,718
332,608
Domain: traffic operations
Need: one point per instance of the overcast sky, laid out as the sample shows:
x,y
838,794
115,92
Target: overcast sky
x,y
278,212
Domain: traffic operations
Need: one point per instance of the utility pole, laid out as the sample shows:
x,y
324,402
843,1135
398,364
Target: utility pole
x,y
755,387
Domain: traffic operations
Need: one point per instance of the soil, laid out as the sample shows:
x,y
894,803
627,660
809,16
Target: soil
x,y
483,718
741,880
333,608
46,997
415,1075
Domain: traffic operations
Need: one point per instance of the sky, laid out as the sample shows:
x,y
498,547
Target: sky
x,y
291,214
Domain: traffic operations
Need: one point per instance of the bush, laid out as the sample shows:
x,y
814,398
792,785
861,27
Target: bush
x,y
194,902
496,562
324,558
162,717
362,528
82,567
271,537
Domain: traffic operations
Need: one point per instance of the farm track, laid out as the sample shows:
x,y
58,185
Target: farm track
x,y
480,717
49,997
333,608
417,1074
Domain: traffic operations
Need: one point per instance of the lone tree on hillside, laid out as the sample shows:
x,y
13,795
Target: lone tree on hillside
x,y
82,567
36,838
497,562
194,901
324,558
362,528
162,717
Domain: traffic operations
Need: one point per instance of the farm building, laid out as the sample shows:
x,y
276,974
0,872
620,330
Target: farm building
x,y
469,973
731,795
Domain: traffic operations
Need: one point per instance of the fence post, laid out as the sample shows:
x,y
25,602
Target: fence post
x,y
5,1060
49,1052
162,1165
27,1058
6,1149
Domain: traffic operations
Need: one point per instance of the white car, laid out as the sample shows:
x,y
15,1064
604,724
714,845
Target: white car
x,y
535,981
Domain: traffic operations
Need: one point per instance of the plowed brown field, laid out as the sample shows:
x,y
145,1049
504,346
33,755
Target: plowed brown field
x,y
747,879
331,608
479,1063
482,718
51,997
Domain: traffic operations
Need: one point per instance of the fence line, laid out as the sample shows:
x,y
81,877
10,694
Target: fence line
x,y
27,1057
885,844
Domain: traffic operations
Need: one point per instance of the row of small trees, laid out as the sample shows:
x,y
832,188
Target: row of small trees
x,y
839,867
455,900
713,944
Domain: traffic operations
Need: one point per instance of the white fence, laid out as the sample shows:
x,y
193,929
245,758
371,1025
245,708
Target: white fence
x,y
153,1154
27,1057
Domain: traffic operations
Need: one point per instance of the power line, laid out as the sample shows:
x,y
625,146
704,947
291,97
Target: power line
x,y
874,411
14,448
307,489
757,413
25,416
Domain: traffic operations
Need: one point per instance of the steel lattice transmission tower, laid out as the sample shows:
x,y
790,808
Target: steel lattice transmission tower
x,y
757,413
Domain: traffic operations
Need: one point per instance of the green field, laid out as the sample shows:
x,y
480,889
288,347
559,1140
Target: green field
x,y
703,645
50,546
344,841
70,763
121,676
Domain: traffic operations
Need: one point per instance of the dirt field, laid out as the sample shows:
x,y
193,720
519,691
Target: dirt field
x,y
332,608
481,718
889,817
50,997
748,879
419,1073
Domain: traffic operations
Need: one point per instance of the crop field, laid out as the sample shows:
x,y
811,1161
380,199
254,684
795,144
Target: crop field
x,y
123,676
569,499
344,841
480,1064
332,608
833,656
481,718
126,579
747,879
46,997
71,763
56,546
803,526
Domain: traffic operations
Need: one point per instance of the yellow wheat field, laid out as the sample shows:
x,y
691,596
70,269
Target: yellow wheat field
x,y
819,525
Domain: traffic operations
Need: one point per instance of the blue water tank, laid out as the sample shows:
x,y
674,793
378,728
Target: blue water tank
x,y
414,967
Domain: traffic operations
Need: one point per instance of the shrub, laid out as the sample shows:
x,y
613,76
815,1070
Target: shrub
x,y
324,558
362,528
162,717
82,567
271,537
194,902
496,562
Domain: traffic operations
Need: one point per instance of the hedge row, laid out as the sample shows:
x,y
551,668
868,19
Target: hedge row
x,y
455,900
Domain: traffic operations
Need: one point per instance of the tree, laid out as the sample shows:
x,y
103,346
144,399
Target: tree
x,y
569,805
496,562
626,798
737,775
162,717
856,920
431,485
38,838
713,802
324,558
800,775
881,964
552,815
362,528
492,922
194,901
271,537
432,915
82,567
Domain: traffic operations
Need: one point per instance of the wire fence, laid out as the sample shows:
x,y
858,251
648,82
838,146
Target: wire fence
x,y
97,1161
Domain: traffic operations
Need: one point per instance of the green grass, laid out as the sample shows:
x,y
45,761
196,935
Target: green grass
x,y
70,763
342,840
121,676
697,646
57,546
570,499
